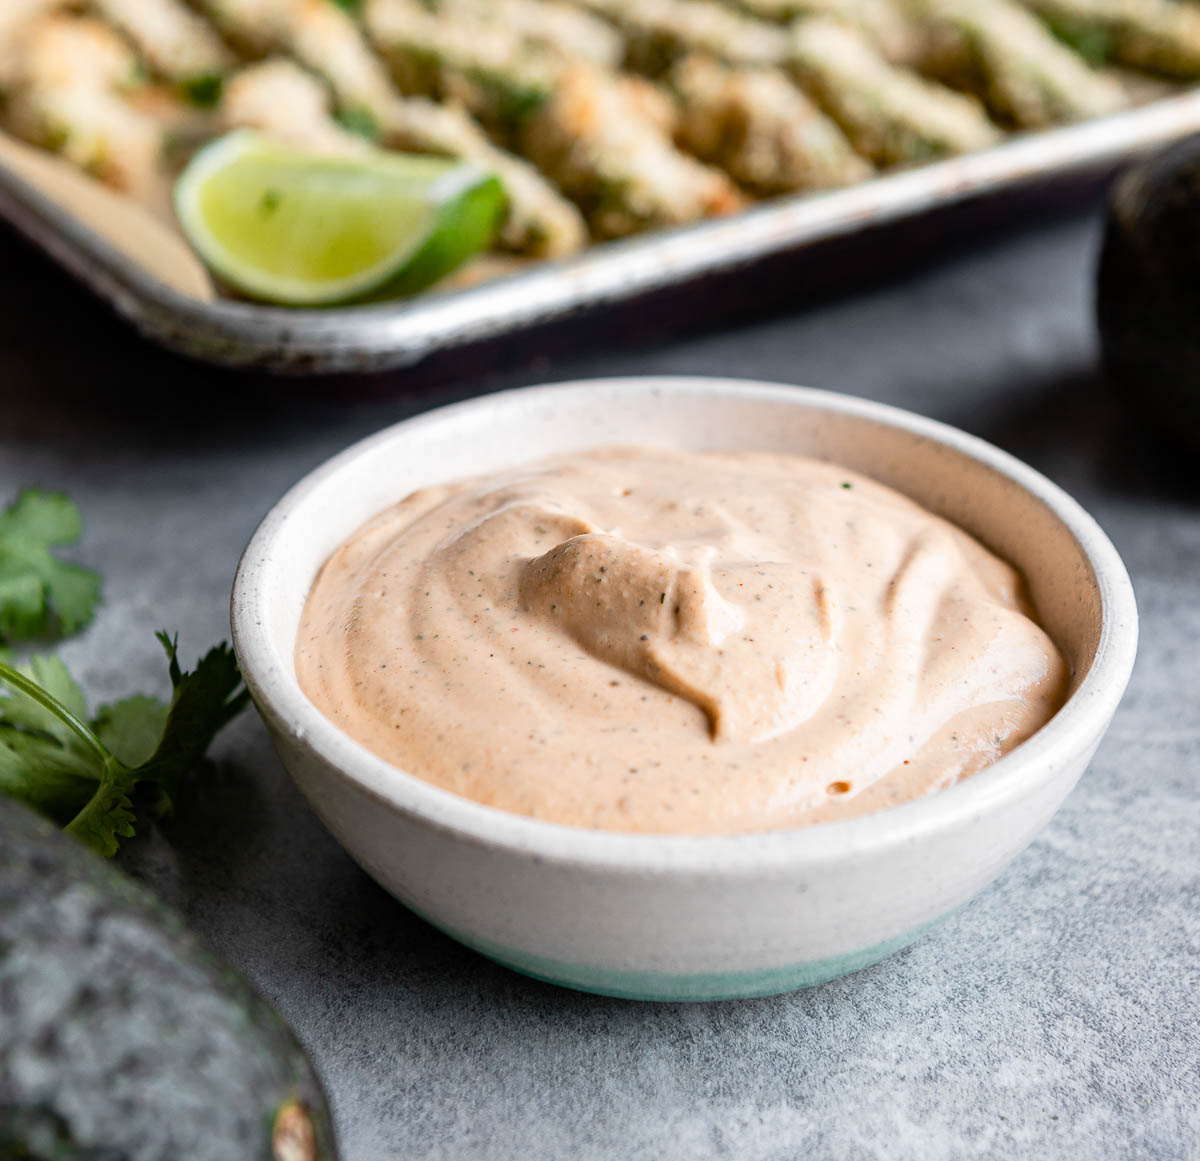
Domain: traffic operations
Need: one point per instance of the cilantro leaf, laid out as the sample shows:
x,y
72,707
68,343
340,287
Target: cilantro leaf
x,y
25,711
94,777
360,121
131,728
50,788
47,758
204,91
202,703
42,760
108,816
36,588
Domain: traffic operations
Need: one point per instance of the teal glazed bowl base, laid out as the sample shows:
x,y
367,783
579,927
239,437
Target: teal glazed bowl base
x,y
687,989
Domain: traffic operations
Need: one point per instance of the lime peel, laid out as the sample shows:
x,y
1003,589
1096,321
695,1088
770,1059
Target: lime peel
x,y
297,228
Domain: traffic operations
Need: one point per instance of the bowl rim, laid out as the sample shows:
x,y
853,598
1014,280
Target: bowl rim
x,y
1077,725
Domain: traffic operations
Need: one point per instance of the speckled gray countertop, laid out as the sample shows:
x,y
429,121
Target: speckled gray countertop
x,y
1057,1016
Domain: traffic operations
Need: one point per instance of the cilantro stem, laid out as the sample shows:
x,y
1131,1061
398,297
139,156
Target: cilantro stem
x,y
49,702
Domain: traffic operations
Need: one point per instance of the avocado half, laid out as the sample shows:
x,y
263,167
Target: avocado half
x,y
1148,301
122,1036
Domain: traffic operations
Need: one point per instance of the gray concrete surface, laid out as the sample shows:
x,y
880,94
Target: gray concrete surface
x,y
1058,1016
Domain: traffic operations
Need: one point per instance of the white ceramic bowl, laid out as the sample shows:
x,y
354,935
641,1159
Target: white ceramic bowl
x,y
679,917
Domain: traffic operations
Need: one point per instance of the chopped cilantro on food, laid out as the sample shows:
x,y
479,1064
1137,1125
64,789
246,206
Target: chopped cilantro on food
x,y
98,777
360,121
40,593
204,91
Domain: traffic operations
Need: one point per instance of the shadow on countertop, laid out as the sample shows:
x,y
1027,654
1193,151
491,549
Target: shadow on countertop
x,y
1079,430
54,332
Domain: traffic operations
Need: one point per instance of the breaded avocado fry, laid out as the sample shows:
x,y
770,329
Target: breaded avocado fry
x,y
177,44
67,96
327,40
483,64
1005,55
889,115
602,138
279,98
762,130
617,165
556,25
17,20
658,32
885,22
1160,36
253,27
541,222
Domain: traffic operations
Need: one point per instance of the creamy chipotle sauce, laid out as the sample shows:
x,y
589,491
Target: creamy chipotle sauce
x,y
675,642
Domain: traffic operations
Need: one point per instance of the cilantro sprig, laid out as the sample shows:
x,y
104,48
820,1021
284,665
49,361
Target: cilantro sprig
x,y
96,777
38,592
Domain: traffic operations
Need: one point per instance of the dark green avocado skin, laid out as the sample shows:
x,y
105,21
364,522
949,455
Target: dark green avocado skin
x,y
122,1037
1148,301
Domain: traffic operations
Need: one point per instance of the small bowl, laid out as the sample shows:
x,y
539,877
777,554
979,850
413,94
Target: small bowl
x,y
688,918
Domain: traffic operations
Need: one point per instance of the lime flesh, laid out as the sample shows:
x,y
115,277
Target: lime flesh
x,y
301,229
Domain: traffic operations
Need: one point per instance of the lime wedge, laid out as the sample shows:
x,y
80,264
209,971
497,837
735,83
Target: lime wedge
x,y
296,228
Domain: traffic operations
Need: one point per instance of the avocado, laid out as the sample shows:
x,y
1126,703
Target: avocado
x,y
124,1038
1148,302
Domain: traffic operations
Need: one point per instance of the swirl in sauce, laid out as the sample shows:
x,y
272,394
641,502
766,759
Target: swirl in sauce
x,y
676,642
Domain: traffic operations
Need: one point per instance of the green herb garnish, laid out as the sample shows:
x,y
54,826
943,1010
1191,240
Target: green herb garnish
x,y
361,122
38,592
204,91
94,777
1093,44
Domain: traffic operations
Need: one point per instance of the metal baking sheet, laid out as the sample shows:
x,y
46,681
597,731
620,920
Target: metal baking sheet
x,y
402,334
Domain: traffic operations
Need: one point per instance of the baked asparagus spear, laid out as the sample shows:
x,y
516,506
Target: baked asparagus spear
x,y
889,115
1000,51
762,130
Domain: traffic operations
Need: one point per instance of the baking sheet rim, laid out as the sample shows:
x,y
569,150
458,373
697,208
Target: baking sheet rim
x,y
391,335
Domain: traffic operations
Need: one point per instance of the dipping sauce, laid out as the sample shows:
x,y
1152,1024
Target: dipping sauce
x,y
676,643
